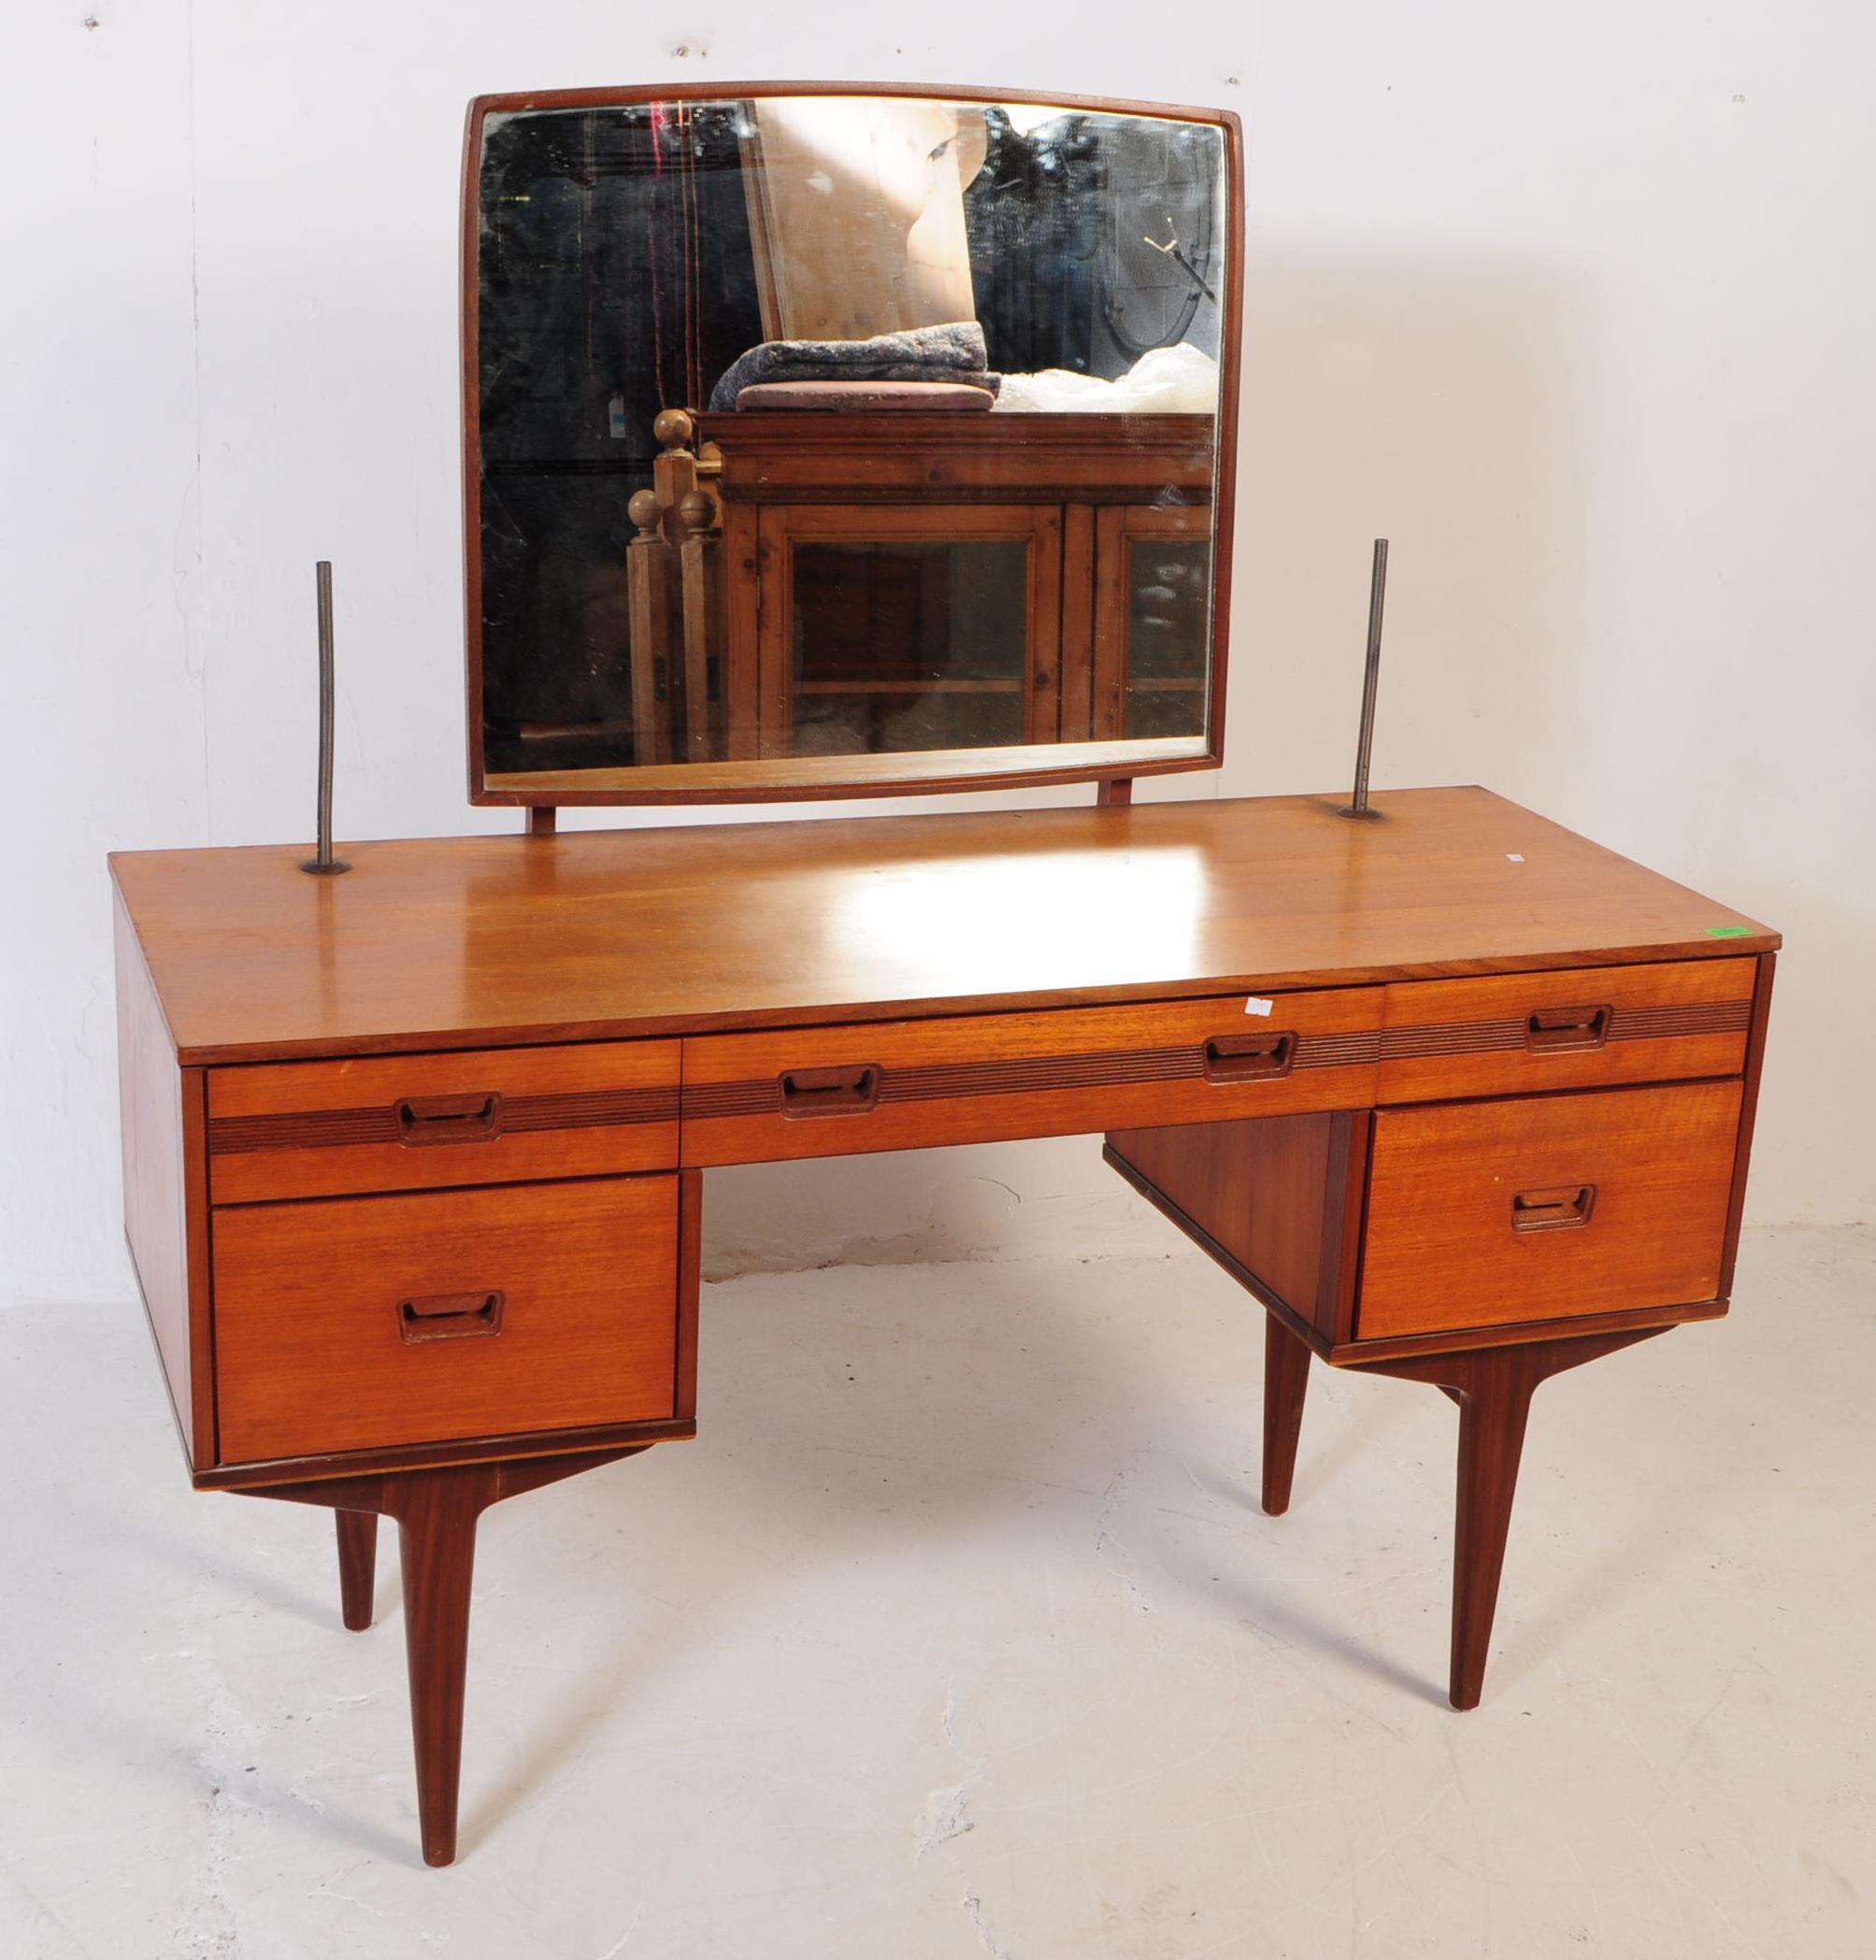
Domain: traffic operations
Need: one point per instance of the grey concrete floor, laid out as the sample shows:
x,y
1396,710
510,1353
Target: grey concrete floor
x,y
958,1633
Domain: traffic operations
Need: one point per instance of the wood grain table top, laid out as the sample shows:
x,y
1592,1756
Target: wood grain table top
x,y
438,943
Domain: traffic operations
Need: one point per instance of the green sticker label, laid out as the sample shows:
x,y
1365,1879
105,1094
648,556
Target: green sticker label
x,y
1729,932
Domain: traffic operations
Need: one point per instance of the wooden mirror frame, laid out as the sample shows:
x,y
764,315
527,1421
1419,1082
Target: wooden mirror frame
x,y
785,779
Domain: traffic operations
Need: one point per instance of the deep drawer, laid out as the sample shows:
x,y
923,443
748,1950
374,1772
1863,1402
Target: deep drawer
x,y
899,1085
406,1122
1546,1207
1589,1027
358,1324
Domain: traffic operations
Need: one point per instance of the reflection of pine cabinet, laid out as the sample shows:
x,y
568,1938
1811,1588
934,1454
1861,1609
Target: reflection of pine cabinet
x,y
899,583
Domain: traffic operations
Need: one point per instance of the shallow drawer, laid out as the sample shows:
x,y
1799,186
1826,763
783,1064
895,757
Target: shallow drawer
x,y
899,1085
355,1324
1533,1210
1518,1033
403,1122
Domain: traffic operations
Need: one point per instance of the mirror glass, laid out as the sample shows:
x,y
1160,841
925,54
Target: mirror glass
x,y
841,438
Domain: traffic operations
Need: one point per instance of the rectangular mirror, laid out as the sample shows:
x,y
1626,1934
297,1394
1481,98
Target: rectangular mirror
x,y
830,442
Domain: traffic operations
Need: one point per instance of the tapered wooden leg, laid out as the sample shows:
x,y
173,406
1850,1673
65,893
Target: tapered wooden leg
x,y
1493,1387
357,1566
1286,1381
437,1544
436,1510
1491,1443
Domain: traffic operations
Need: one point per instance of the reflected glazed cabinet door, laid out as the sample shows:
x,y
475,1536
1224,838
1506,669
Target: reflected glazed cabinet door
x,y
1152,619
891,628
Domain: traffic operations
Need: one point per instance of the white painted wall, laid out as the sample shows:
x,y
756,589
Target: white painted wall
x,y
1576,304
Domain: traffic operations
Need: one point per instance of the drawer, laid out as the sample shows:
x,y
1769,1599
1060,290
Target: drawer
x,y
1545,1207
357,1324
1518,1033
403,1122
900,1085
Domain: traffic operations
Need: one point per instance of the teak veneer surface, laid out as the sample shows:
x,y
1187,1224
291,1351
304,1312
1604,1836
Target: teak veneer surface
x,y
315,1351
453,943
408,1122
1654,1169
1516,1034
900,1085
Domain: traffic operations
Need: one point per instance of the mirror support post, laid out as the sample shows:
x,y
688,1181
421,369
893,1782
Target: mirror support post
x,y
322,864
1376,598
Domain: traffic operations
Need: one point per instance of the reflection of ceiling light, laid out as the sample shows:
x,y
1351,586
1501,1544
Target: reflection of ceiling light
x,y
1026,116
1050,913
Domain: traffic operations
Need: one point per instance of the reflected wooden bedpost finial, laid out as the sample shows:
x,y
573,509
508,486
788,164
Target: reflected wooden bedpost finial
x,y
675,606
647,622
1376,598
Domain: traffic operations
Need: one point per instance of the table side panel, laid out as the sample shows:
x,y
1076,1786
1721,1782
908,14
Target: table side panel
x,y
165,1207
1755,1056
1277,1197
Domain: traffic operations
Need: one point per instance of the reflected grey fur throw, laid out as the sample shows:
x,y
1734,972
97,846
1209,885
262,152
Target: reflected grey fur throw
x,y
952,352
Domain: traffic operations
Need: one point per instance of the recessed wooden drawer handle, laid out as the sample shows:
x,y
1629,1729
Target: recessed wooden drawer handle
x,y
450,1316
829,1091
1248,1058
1544,1211
1550,1029
448,1119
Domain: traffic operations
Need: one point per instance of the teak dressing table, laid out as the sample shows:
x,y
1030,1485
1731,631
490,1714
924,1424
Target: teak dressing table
x,y
414,1155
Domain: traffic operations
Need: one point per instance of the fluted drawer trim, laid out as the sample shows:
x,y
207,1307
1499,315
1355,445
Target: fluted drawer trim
x,y
328,1129
1030,1074
1472,1038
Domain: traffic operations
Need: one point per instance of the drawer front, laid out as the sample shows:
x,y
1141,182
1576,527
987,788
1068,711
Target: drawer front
x,y
356,1324
1539,1208
900,1085
1518,1033
404,1122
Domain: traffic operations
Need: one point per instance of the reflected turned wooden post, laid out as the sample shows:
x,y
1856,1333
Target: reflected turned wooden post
x,y
675,597
649,615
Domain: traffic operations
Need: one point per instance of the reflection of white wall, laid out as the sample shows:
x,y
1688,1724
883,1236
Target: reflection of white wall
x,y
860,205
1575,304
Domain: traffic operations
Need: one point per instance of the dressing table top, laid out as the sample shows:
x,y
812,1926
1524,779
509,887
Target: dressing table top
x,y
470,942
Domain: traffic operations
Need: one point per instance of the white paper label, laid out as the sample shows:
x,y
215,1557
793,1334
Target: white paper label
x,y
1255,1006
1514,857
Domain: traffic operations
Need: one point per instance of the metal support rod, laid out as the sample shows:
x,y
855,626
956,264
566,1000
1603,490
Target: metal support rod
x,y
1370,687
322,864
